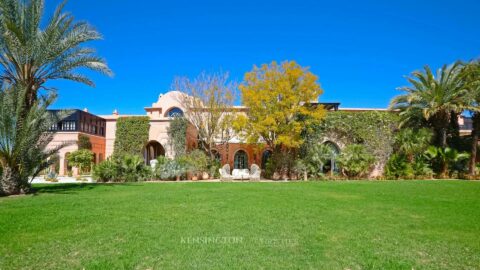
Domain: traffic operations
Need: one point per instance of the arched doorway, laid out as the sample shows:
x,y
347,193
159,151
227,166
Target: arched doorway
x,y
240,160
153,149
265,157
331,165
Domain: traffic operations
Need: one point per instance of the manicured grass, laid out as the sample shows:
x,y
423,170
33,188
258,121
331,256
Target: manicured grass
x,y
328,225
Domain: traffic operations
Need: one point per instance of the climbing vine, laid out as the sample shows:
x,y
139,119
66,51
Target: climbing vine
x,y
177,134
131,135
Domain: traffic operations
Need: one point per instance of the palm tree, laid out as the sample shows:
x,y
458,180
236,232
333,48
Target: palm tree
x,y
434,97
23,151
448,157
471,73
411,142
31,55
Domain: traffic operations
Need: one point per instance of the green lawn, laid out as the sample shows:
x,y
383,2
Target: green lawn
x,y
327,225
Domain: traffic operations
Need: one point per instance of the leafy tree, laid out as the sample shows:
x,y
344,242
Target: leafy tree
x,y
84,142
282,103
207,100
82,159
355,160
33,53
131,135
435,98
177,134
23,147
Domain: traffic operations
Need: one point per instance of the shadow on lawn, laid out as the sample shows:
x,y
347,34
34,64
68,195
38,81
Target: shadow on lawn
x,y
74,188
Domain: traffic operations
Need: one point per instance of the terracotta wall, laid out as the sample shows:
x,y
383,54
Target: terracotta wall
x,y
98,147
254,153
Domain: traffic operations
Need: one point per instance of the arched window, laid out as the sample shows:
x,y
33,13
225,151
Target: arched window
x,y
265,157
175,112
240,160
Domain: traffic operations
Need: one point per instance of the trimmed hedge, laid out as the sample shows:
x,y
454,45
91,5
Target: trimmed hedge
x,y
131,135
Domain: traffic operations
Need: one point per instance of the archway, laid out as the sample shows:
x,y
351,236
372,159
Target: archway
x,y
153,149
331,165
267,154
240,160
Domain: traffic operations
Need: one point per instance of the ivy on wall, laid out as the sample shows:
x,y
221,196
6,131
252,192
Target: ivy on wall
x,y
177,134
373,129
84,142
131,135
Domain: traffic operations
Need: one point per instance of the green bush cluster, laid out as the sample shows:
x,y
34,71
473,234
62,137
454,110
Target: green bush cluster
x,y
195,163
132,168
128,168
355,161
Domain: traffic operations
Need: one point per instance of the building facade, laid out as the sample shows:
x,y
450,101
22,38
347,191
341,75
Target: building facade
x,y
102,129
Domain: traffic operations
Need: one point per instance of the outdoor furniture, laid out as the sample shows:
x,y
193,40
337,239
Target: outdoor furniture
x,y
225,172
255,172
241,174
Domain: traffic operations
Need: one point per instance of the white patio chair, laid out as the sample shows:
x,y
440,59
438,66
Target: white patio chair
x,y
255,172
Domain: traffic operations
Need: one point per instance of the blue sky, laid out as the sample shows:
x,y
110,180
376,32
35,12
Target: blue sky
x,y
361,50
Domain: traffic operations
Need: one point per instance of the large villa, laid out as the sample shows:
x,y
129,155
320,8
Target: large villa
x,y
101,130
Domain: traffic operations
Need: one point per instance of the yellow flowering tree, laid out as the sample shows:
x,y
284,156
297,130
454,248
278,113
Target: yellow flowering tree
x,y
282,101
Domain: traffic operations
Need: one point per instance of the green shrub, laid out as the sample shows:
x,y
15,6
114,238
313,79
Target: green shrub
x,y
82,159
106,171
398,167
213,167
131,135
171,169
197,161
421,168
128,168
132,168
51,177
355,161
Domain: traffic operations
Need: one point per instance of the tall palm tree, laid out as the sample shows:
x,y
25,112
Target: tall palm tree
x,y
471,74
434,97
33,52
31,55
23,151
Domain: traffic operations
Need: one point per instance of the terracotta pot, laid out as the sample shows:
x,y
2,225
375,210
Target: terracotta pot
x,y
205,176
194,178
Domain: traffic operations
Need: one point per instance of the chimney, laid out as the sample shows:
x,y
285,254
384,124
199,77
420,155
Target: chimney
x,y
85,110
115,112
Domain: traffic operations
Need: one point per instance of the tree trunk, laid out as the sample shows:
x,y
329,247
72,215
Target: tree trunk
x,y
443,137
473,154
10,182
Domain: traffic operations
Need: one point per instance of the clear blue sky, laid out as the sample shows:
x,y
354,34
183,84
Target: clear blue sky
x,y
361,50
